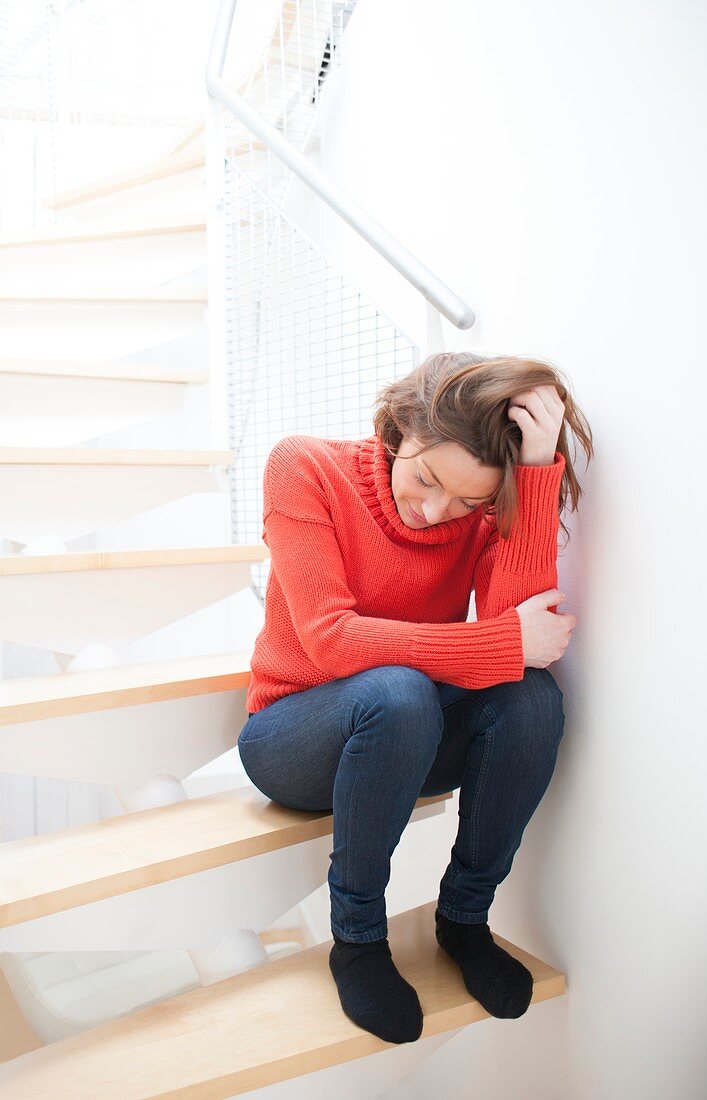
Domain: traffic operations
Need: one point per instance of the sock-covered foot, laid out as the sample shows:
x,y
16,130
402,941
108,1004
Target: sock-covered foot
x,y
372,991
501,984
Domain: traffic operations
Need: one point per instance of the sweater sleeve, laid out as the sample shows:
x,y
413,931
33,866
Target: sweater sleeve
x,y
512,570
306,558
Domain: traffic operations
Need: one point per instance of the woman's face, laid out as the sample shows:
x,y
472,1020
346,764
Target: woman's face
x,y
465,483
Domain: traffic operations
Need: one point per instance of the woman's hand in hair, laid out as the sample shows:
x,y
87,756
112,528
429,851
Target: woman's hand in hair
x,y
538,413
545,634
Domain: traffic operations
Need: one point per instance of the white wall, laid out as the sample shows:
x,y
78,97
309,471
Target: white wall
x,y
548,160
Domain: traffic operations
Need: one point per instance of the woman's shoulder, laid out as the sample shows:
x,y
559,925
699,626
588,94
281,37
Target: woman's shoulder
x,y
308,444
308,451
298,475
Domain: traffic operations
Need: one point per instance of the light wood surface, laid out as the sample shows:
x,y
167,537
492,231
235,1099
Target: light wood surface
x,y
99,456
135,372
161,295
60,870
11,565
269,1024
16,1036
191,135
133,177
32,698
105,233
136,177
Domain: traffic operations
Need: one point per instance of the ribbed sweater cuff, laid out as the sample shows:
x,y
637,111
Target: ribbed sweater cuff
x,y
532,547
476,654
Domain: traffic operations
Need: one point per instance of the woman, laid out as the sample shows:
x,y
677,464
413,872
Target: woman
x,y
369,686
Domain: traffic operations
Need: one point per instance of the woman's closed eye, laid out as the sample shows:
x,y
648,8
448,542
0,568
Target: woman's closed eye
x,y
469,507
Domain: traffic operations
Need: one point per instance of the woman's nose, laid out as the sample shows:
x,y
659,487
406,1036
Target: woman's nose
x,y
435,512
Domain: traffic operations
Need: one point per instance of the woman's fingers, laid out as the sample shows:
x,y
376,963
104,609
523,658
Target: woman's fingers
x,y
534,404
541,399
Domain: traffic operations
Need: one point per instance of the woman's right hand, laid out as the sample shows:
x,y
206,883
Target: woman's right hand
x,y
546,634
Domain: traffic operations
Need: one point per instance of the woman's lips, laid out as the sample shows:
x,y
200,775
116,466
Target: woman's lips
x,y
420,519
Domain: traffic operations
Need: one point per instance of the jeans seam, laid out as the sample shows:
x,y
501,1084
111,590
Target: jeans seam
x,y
478,790
346,817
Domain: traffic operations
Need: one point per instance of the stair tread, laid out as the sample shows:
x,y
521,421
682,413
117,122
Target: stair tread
x,y
103,456
13,564
156,169
271,1023
57,871
142,372
97,233
29,698
107,294
167,165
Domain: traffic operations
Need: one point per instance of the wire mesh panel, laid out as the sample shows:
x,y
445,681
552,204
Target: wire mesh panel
x,y
307,352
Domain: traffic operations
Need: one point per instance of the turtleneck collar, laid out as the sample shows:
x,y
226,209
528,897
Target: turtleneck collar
x,y
374,466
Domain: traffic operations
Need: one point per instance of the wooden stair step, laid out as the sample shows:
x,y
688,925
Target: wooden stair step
x,y
156,295
272,1023
133,177
170,165
196,131
130,559
100,233
133,372
101,456
86,863
32,698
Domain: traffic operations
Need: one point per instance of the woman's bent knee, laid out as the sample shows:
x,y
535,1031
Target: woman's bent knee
x,y
402,692
534,703
401,706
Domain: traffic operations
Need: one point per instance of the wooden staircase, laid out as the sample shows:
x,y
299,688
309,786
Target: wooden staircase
x,y
48,874
267,1025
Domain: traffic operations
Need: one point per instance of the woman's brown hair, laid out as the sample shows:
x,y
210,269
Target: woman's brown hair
x,y
463,398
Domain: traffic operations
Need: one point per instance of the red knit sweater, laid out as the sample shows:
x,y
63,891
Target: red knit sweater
x,y
352,587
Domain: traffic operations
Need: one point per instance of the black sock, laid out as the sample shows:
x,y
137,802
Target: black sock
x,y
373,992
501,984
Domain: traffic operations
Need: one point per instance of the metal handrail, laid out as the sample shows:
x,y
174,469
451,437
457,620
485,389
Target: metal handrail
x,y
454,308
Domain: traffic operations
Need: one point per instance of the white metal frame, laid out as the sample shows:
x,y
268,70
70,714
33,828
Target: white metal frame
x,y
454,308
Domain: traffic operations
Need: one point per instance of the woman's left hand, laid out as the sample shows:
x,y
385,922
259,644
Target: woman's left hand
x,y
538,413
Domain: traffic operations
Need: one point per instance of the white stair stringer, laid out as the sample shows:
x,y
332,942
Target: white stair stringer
x,y
61,410
83,323
49,402
72,493
118,255
127,746
68,602
123,725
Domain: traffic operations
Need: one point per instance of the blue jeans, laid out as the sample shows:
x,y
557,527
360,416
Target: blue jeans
x,y
369,745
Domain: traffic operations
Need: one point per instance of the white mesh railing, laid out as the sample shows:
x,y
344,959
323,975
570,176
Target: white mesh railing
x,y
306,351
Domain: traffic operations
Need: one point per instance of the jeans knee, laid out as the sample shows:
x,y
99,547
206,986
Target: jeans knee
x,y
545,700
535,703
407,690
409,702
